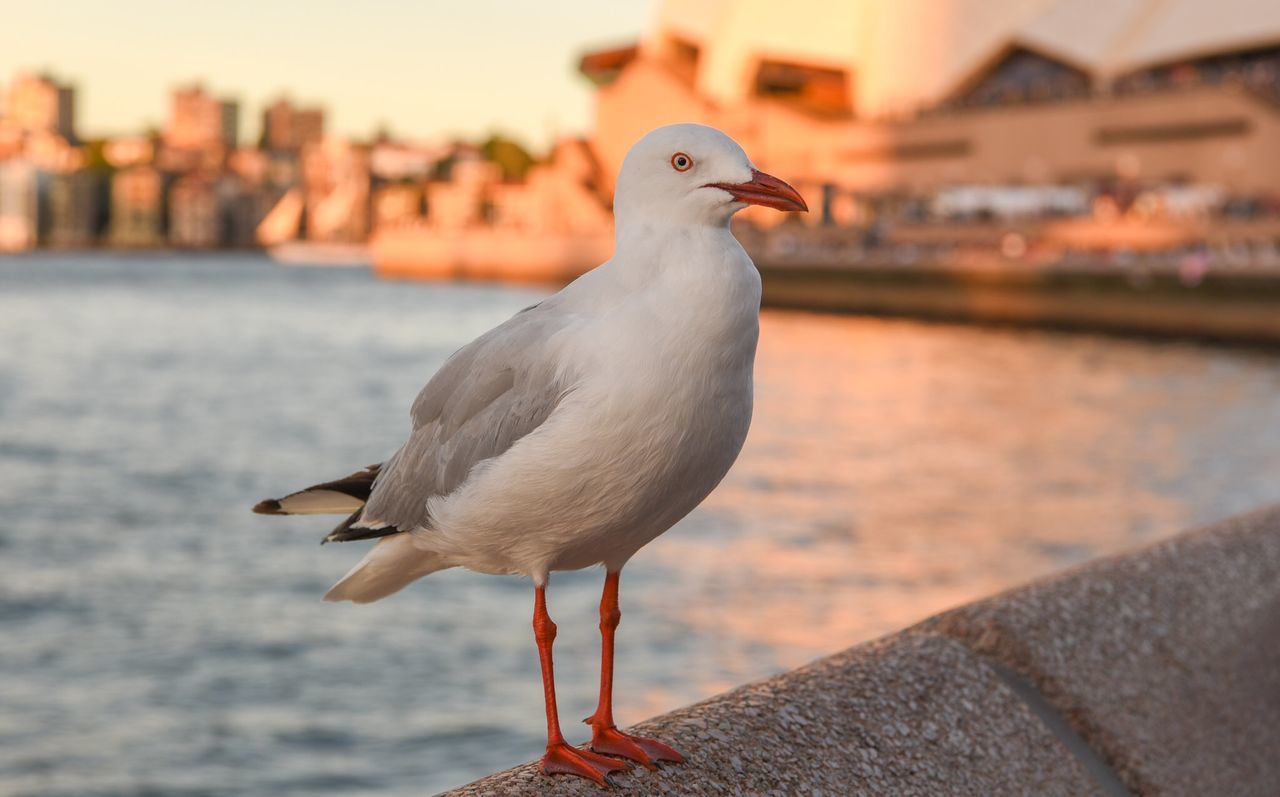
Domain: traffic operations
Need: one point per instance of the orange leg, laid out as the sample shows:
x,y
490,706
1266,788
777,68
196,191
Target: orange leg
x,y
560,758
605,736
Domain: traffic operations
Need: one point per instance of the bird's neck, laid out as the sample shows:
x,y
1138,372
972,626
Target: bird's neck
x,y
702,267
646,244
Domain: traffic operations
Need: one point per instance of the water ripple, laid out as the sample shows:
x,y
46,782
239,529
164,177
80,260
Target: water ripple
x,y
160,640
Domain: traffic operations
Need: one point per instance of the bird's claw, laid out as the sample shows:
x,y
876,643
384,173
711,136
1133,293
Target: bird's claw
x,y
561,759
648,752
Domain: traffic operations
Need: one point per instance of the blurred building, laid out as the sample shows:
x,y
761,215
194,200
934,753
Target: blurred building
x,y
199,122
286,128
249,164
125,151
399,160
137,207
39,104
51,151
466,190
77,208
11,139
915,95
20,205
244,204
397,203
37,123
552,225
194,218
561,195
465,199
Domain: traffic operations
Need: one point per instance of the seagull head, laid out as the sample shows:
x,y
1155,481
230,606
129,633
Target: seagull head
x,y
693,174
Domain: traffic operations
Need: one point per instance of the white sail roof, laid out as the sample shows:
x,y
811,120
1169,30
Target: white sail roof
x,y
1183,29
1088,34
906,54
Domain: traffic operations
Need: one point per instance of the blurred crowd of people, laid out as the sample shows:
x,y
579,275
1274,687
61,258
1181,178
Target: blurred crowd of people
x,y
1258,70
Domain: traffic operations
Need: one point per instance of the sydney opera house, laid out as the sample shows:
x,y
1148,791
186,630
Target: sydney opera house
x,y
915,95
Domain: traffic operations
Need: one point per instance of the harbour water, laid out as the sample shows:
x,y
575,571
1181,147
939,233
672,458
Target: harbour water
x,y
158,639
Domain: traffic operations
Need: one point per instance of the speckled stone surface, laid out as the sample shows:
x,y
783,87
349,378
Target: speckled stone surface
x,y
914,714
1166,661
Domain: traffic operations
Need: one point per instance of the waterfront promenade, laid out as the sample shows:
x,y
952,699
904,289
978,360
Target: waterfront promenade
x,y
1228,293
1152,673
1231,306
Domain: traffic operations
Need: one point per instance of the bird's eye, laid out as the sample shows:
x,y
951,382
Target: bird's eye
x,y
681,162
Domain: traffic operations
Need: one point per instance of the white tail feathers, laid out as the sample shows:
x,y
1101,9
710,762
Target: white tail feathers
x,y
319,502
389,567
338,497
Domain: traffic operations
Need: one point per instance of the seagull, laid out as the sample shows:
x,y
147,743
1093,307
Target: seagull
x,y
580,429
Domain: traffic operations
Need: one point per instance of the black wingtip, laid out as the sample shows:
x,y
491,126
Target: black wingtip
x,y
346,533
269,507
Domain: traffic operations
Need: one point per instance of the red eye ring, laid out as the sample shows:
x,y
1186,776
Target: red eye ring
x,y
681,162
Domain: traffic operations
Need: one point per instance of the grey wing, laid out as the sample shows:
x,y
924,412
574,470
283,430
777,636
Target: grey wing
x,y
488,395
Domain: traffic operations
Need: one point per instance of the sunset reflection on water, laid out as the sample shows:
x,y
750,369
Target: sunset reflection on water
x,y
896,469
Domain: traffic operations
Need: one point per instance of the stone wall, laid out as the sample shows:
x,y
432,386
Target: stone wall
x,y
1153,673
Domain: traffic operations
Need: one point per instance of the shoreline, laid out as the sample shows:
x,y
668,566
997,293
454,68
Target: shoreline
x,y
1236,305
1227,307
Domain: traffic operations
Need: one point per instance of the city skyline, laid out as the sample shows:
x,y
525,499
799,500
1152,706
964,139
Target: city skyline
x,y
517,78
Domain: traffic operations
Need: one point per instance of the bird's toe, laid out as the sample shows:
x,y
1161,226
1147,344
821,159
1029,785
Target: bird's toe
x,y
640,749
561,759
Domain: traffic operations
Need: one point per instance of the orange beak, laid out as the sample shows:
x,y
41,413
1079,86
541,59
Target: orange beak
x,y
767,190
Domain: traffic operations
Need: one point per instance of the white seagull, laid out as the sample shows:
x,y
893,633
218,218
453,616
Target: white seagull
x,y
586,425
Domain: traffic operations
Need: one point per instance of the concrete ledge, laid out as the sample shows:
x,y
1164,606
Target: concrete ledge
x,y
1153,673
1166,662
914,714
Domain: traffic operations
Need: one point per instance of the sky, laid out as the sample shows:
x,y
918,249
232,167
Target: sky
x,y
423,69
